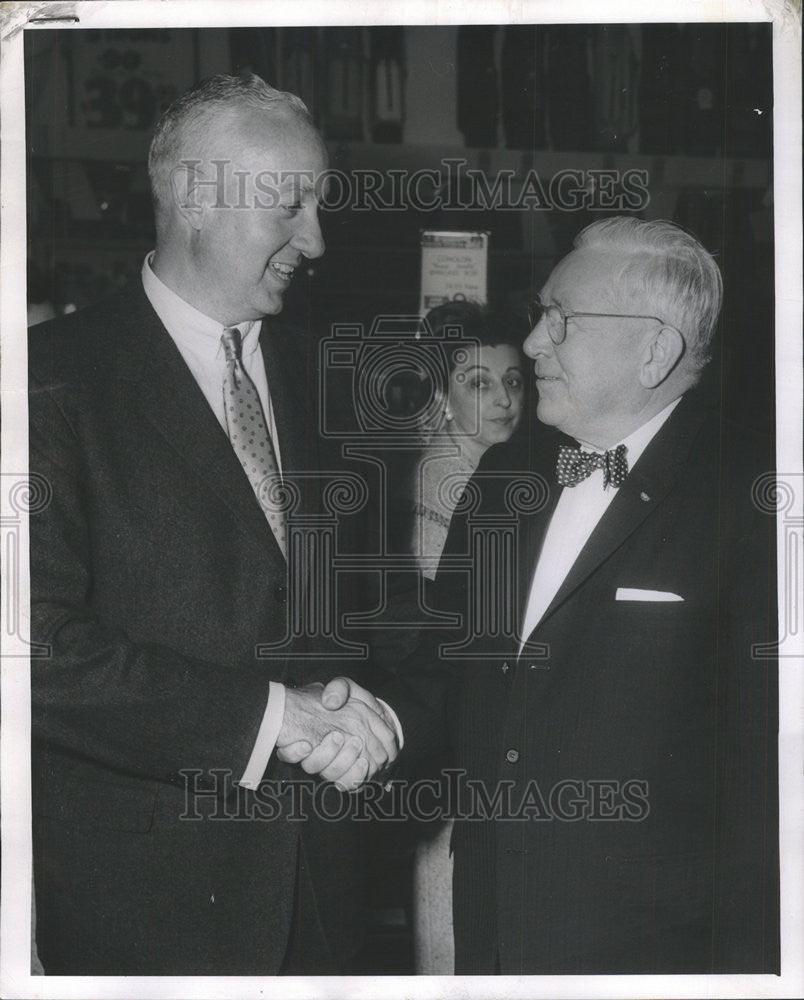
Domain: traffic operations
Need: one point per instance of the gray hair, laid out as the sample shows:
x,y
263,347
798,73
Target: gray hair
x,y
678,277
191,113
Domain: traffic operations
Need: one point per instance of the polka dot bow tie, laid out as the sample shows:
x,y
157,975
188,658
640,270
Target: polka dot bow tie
x,y
574,465
251,440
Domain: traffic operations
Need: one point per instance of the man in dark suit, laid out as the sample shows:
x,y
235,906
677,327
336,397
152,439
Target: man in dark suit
x,y
617,742
172,423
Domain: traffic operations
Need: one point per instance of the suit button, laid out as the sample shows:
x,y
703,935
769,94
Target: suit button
x,y
512,756
280,594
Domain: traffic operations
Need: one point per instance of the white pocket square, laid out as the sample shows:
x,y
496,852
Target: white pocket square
x,y
634,594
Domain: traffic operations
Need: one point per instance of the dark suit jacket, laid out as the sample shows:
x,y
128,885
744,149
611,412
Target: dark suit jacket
x,y
634,740
155,576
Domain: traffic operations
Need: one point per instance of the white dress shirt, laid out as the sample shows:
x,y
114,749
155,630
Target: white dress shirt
x,y
577,513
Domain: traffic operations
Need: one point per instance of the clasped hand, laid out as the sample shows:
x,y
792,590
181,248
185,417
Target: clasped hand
x,y
340,732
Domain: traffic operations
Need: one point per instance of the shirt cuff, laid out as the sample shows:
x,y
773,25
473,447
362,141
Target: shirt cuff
x,y
266,737
400,739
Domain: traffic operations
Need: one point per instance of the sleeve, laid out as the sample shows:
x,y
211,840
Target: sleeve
x,y
132,706
420,692
267,736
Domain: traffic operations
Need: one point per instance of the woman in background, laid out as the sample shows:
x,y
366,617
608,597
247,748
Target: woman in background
x,y
482,404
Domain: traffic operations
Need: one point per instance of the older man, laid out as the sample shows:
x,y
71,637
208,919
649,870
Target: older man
x,y
618,746
169,423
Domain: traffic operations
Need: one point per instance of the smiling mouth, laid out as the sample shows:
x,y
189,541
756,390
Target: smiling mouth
x,y
282,271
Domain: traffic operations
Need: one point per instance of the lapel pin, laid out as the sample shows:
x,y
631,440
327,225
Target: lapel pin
x,y
644,496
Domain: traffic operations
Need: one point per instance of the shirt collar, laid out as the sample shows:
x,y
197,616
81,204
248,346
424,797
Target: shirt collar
x,y
638,440
189,327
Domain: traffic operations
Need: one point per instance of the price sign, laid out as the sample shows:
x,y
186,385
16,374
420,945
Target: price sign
x,y
126,79
454,266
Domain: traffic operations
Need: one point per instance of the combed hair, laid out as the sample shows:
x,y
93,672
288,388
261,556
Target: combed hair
x,y
191,113
677,276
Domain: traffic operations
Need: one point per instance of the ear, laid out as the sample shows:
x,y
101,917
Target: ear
x,y
187,189
662,353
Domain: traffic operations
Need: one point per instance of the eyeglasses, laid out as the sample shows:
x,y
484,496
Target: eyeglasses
x,y
557,318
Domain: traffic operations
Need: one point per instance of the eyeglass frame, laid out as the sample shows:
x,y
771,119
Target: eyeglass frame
x,y
537,301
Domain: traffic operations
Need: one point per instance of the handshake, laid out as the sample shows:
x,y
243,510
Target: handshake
x,y
340,732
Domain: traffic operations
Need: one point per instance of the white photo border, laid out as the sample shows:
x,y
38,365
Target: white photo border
x,y
15,978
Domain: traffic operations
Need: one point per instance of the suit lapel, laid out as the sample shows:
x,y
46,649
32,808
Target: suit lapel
x,y
541,459
167,395
651,479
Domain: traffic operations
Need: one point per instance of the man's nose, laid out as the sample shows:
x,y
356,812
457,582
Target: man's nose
x,y
309,239
538,340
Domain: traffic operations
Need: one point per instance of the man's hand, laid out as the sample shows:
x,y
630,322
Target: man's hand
x,y
339,732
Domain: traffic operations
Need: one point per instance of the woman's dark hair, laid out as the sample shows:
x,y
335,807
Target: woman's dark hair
x,y
476,324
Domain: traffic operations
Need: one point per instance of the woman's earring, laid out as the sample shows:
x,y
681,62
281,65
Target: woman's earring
x,y
448,414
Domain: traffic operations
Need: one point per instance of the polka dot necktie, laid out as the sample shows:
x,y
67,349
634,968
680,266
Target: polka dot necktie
x,y
574,465
251,440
